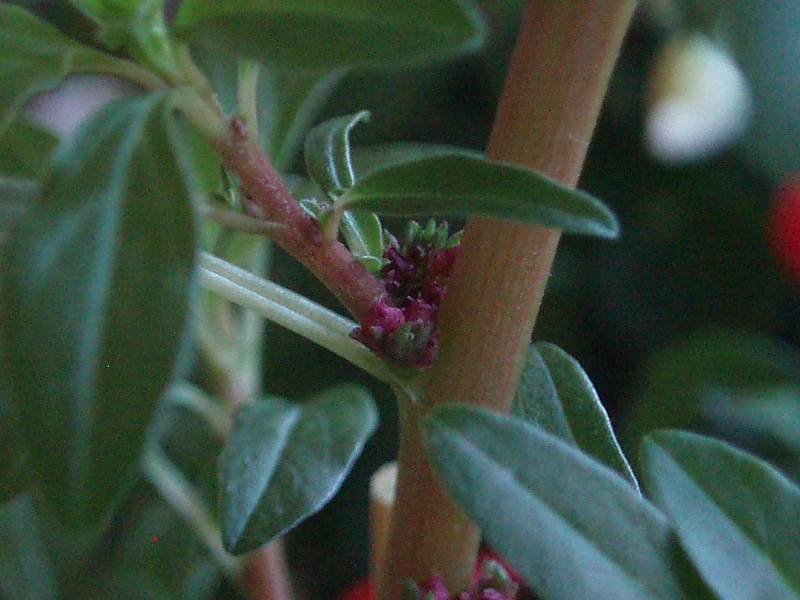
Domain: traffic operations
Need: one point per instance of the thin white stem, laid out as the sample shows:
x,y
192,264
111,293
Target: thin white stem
x,y
195,400
239,221
178,492
298,314
248,97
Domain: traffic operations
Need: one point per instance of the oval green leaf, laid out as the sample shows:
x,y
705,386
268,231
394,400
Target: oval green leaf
x,y
467,183
327,153
325,34
588,420
363,233
571,527
536,400
735,515
284,461
99,286
35,57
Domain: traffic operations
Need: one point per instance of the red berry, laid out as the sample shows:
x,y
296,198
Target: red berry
x,y
784,227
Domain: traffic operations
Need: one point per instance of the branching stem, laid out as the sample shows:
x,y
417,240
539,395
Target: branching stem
x,y
298,314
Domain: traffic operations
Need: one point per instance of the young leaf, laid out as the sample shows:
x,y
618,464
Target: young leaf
x,y
736,516
99,284
325,34
35,57
571,527
327,153
466,183
284,461
363,232
588,421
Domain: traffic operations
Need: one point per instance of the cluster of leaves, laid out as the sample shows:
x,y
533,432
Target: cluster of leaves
x,y
550,486
101,246
100,290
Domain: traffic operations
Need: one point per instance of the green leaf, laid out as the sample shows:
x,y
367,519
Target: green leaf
x,y
677,378
536,400
13,469
35,57
325,34
772,414
100,280
25,149
327,153
289,100
363,232
736,516
571,527
26,571
467,183
588,420
284,461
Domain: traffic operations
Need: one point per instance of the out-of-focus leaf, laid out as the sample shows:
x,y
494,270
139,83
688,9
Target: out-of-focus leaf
x,y
771,414
35,57
284,461
736,516
325,34
677,378
467,183
25,149
100,278
26,570
289,100
571,527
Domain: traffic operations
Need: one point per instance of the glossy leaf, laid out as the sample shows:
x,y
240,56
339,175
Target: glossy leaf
x,y
34,57
327,153
284,461
25,149
571,527
363,232
735,515
325,34
588,420
100,278
467,183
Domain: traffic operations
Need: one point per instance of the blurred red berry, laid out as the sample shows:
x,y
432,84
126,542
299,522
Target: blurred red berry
x,y
784,227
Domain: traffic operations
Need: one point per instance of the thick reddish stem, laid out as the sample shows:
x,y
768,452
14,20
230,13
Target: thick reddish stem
x,y
269,199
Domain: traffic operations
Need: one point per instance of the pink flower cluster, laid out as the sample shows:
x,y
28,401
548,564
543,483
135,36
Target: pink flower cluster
x,y
403,326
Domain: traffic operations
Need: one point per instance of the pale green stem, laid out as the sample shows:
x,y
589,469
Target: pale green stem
x,y
239,221
195,400
298,314
178,492
248,97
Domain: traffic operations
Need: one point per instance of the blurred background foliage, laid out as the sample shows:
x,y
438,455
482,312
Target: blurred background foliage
x,y
686,321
